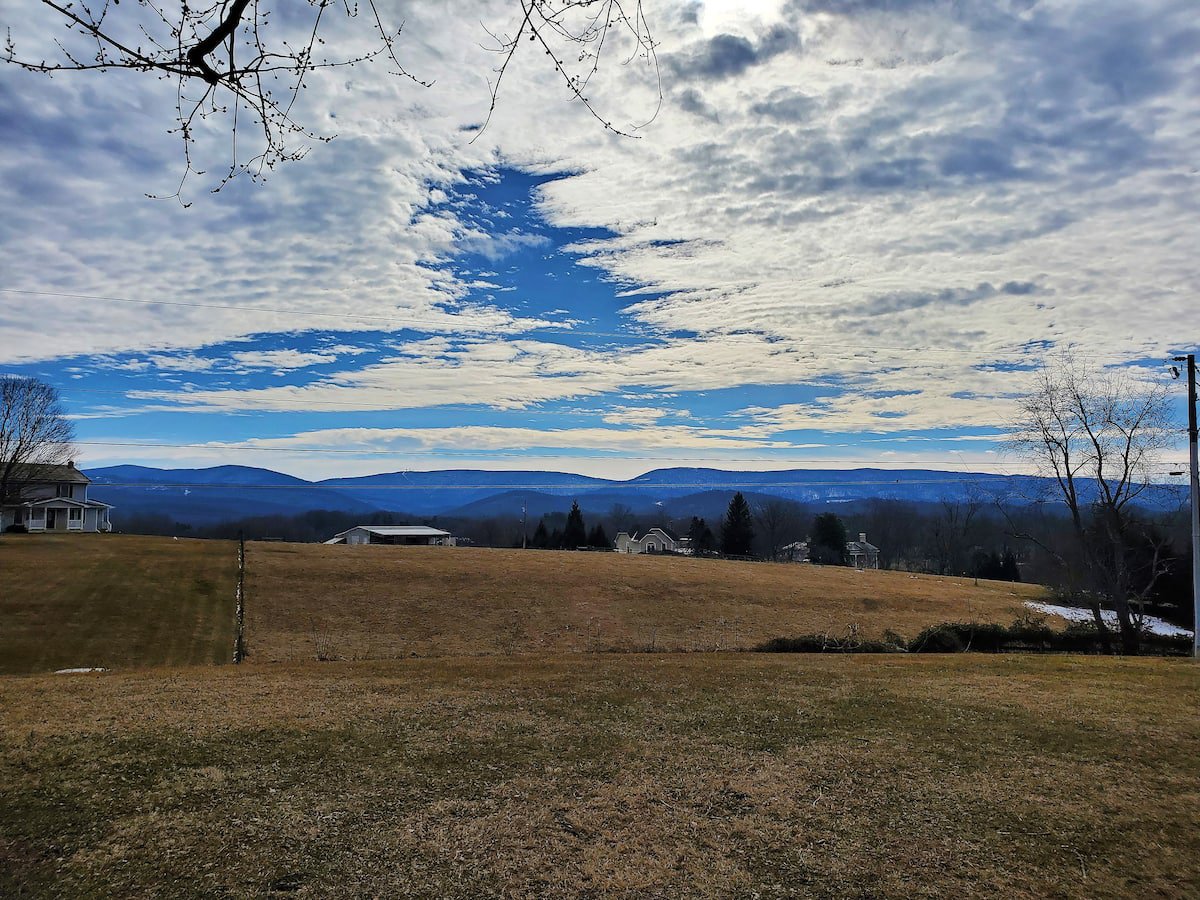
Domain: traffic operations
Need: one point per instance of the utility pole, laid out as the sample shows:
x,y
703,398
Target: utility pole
x,y
1194,482
524,529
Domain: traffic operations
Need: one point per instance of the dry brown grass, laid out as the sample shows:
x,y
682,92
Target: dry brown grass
x,y
113,600
374,602
633,775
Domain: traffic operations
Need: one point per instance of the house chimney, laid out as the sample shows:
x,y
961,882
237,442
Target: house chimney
x,y
862,537
70,463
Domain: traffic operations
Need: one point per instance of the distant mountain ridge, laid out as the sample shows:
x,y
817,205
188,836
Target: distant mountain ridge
x,y
223,493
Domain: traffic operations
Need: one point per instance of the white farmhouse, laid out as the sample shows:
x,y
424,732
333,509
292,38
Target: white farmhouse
x,y
862,554
52,498
407,535
656,540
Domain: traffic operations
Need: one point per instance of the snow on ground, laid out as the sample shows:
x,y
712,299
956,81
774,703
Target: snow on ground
x,y
1074,614
78,671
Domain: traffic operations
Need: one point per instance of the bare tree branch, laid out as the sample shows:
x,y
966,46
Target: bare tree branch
x,y
195,45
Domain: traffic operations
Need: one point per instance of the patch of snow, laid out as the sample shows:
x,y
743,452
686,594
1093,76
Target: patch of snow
x,y
80,671
1073,614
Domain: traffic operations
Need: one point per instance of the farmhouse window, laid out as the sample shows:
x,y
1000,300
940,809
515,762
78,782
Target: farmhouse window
x,y
75,514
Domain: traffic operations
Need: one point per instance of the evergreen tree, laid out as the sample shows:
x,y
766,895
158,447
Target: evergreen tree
x,y
574,533
597,538
737,529
827,547
701,536
556,540
541,540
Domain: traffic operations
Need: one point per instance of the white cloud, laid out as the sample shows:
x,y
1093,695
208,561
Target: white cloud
x,y
833,192
281,359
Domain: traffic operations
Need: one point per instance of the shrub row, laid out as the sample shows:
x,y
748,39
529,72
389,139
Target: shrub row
x,y
1024,636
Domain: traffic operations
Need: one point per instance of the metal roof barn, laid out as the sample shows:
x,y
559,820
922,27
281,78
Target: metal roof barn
x,y
408,535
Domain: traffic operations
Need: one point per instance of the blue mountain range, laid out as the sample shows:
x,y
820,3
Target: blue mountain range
x,y
224,493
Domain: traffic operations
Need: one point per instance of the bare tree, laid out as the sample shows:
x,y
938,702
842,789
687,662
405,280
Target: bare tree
x,y
778,520
34,433
948,534
1096,436
233,59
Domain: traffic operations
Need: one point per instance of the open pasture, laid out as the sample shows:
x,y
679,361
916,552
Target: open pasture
x,y
607,775
378,602
114,601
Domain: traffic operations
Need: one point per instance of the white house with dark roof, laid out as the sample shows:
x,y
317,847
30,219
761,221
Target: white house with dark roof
x,y
861,554
405,535
656,540
44,498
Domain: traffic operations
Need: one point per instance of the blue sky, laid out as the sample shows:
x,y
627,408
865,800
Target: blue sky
x,y
846,238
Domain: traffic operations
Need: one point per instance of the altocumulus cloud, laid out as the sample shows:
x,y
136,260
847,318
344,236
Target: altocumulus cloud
x,y
990,178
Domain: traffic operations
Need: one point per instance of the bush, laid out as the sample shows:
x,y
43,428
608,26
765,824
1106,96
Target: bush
x,y
825,643
17,528
1026,635
938,639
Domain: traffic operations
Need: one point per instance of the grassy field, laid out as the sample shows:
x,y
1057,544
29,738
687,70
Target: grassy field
x,y
71,601
732,775
374,602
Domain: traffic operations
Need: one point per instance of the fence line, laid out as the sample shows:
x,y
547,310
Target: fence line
x,y
239,628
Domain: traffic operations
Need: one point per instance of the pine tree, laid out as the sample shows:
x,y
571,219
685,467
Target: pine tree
x,y
737,529
597,538
828,544
540,538
574,533
700,536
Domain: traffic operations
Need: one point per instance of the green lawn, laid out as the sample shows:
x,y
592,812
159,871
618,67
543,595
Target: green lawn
x,y
717,775
69,601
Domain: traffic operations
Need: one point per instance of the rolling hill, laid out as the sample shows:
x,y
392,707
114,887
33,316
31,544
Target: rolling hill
x,y
225,493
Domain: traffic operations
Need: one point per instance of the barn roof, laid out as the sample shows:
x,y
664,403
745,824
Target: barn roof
x,y
398,531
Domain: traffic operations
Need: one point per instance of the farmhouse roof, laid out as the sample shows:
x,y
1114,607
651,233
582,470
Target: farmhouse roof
x,y
38,472
54,501
667,531
861,547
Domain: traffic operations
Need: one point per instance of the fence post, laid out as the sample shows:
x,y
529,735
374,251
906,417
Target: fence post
x,y
239,628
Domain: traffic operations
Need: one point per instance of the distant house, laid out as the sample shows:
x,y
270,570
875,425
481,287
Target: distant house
x,y
656,540
52,498
861,554
406,535
797,551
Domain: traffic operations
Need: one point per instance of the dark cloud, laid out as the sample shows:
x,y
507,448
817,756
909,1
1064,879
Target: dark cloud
x,y
786,105
904,301
1019,288
728,55
692,101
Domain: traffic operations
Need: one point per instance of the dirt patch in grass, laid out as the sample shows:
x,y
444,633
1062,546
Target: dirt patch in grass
x,y
85,600
623,775
379,602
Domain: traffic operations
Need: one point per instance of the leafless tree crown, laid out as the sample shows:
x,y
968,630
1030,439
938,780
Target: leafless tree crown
x,y
232,59
33,432
1097,435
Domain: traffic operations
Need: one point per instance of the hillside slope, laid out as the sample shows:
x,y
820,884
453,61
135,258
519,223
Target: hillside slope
x,y
114,601
372,602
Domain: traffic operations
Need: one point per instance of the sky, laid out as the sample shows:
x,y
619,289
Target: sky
x,y
819,235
